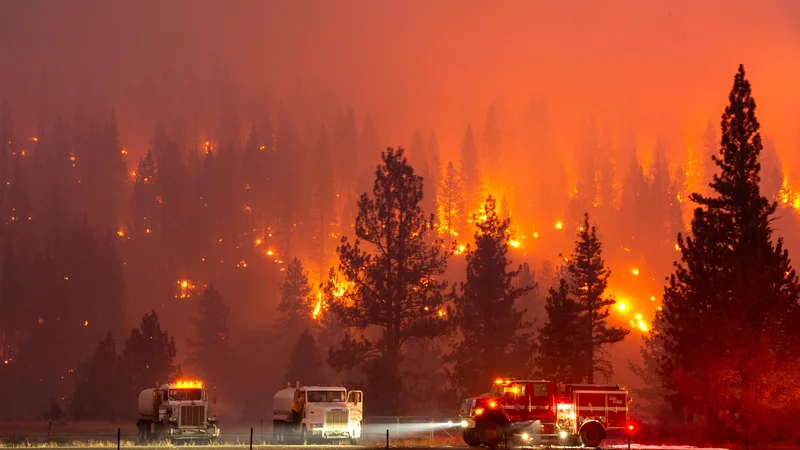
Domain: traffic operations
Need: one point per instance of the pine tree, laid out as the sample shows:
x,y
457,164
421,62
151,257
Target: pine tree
x,y
633,201
296,298
434,161
12,304
305,364
589,277
560,355
96,394
772,179
451,205
659,201
324,198
496,337
470,177
210,352
145,208
147,357
172,185
491,142
392,293
677,196
726,326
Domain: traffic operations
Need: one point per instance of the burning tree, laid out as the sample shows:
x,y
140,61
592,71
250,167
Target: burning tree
x,y
731,307
451,204
495,337
392,296
589,277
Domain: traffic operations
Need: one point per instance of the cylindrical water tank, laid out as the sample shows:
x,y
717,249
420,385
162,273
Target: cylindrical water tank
x,y
146,402
282,402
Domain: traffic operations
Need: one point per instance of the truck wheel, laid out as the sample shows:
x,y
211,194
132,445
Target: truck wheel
x,y
354,441
592,434
470,438
490,435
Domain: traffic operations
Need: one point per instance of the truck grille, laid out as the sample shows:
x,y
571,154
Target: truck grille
x,y
192,416
337,419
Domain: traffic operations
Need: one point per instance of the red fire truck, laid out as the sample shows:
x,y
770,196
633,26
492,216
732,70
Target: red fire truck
x,y
531,411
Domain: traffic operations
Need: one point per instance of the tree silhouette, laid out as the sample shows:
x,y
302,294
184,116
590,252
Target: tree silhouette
x,y
496,338
147,358
390,291
451,205
305,363
722,317
296,298
470,177
561,357
589,277
210,352
96,394
145,210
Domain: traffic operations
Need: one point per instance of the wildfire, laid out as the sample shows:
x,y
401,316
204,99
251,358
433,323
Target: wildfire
x,y
270,253
318,306
185,288
121,232
789,196
514,243
621,306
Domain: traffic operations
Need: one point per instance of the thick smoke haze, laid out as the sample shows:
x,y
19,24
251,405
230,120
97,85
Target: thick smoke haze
x,y
419,64
561,77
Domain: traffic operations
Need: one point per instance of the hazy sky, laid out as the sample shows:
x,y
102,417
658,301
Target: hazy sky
x,y
419,64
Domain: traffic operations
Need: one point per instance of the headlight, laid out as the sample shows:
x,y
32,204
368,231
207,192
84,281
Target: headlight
x,y
525,436
464,424
563,434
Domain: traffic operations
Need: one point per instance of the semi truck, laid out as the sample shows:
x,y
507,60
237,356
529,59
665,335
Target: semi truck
x,y
317,413
178,412
534,411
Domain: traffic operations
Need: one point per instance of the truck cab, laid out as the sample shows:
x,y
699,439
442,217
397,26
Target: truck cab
x,y
177,411
321,413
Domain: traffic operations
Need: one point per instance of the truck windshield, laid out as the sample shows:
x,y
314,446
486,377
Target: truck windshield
x,y
180,395
325,396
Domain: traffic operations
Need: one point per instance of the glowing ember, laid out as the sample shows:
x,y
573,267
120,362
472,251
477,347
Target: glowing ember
x,y
441,313
121,232
677,247
635,271
270,253
86,323
514,243
35,139
317,306
559,225
622,306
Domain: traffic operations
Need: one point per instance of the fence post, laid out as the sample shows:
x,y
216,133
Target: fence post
x,y
747,443
49,425
262,431
119,433
629,439
431,419
398,426
387,438
251,439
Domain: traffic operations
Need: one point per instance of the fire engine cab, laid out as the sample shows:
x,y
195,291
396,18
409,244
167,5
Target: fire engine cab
x,y
531,411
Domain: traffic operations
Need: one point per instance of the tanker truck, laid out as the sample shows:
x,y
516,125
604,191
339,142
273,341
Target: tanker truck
x,y
176,412
317,413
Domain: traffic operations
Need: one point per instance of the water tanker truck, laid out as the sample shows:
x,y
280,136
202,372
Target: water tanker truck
x,y
176,412
317,413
